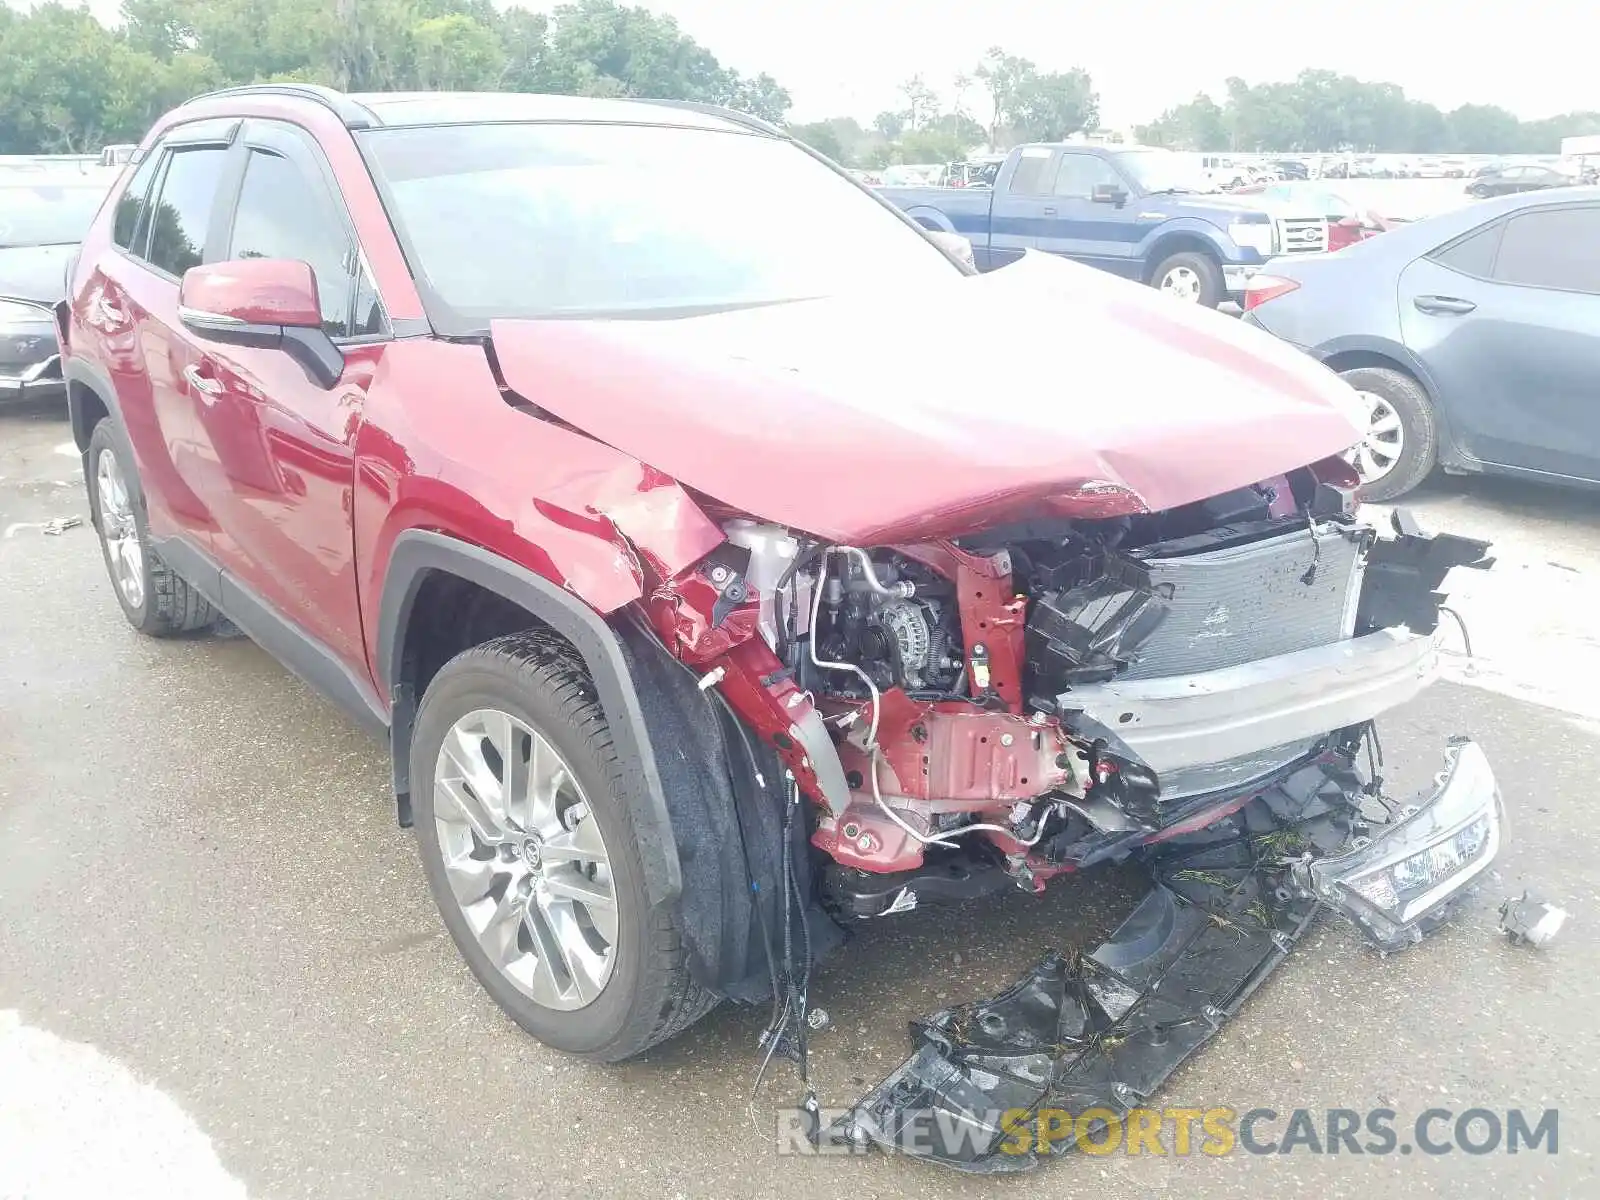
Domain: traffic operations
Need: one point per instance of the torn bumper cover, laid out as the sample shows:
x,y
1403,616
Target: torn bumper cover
x,y
1094,1036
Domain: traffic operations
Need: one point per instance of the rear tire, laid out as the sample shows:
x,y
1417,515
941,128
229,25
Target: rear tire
x,y
155,599
625,986
1398,393
1189,276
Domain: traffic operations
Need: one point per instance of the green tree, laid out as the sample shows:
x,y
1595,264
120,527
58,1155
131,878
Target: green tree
x,y
922,104
822,137
1003,76
890,124
1048,107
760,96
1483,129
456,52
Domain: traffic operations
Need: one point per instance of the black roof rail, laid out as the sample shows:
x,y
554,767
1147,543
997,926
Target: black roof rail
x,y
717,110
354,116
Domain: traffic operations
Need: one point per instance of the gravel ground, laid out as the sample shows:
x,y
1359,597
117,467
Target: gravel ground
x,y
221,974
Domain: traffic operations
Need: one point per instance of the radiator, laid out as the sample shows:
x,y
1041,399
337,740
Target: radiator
x,y
1288,592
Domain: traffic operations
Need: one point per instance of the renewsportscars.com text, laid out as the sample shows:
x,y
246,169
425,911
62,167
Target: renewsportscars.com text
x,y
1186,1131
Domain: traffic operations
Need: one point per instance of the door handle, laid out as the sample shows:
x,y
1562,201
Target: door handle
x,y
202,383
1049,212
1443,304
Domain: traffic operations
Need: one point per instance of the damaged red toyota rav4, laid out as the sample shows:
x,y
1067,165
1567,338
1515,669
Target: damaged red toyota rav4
x,y
624,464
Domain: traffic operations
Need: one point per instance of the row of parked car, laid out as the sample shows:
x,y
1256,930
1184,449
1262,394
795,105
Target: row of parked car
x,y
1488,368
1471,337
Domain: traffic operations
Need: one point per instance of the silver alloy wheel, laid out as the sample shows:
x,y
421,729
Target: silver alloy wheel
x,y
1182,282
525,859
118,529
1380,448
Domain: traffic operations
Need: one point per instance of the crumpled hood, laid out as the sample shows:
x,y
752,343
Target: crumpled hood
x,y
1042,388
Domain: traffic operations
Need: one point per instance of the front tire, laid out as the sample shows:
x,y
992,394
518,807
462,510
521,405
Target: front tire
x,y
155,599
1189,276
1401,445
532,856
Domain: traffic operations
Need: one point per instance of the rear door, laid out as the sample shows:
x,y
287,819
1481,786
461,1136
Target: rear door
x,y
1103,235
1022,205
1507,321
279,445
171,228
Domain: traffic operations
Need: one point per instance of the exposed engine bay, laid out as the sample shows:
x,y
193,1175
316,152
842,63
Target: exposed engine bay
x,y
1196,686
1028,700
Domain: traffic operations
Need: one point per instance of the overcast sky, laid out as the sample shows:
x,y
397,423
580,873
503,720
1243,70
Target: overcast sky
x,y
1535,57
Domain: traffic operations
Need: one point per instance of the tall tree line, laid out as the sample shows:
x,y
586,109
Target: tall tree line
x,y
1322,110
70,84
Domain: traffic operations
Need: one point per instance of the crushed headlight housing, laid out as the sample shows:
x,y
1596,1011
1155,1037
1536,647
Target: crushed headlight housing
x,y
1394,884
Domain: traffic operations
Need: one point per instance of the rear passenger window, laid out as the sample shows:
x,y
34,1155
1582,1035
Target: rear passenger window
x,y
1474,254
181,214
132,205
1031,178
283,214
1552,248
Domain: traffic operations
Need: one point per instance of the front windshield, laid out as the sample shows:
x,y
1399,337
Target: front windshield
x,y
41,214
551,220
1165,171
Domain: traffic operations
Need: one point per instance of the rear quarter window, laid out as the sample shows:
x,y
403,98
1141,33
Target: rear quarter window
x,y
181,216
1473,254
131,205
1031,177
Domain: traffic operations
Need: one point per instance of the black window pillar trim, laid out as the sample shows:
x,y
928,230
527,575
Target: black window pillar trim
x,y
416,554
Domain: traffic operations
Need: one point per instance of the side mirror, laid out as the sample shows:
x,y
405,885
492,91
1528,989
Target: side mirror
x,y
270,303
1108,193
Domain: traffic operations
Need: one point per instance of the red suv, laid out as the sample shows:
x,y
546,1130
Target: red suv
x,y
722,559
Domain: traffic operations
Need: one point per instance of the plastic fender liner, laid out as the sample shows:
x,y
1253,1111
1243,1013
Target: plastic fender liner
x,y
728,828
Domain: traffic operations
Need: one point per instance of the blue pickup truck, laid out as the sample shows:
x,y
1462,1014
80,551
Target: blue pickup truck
x,y
1140,212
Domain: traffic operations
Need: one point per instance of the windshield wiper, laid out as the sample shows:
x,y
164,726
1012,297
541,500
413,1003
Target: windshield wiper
x,y
1173,191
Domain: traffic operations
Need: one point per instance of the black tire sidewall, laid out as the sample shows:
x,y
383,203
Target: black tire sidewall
x,y
1210,273
480,681
108,436
1406,396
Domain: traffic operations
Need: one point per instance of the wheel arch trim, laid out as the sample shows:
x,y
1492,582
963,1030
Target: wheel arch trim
x,y
84,375
419,553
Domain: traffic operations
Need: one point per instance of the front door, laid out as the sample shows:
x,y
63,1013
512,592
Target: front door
x,y
281,445
1105,235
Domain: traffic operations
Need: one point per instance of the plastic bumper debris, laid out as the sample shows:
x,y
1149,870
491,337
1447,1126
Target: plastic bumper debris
x,y
1527,920
1103,1031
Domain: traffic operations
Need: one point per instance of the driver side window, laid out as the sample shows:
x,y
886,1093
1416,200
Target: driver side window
x,y
1080,174
284,214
